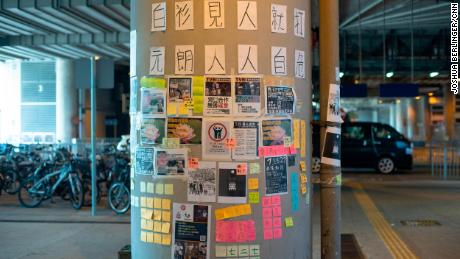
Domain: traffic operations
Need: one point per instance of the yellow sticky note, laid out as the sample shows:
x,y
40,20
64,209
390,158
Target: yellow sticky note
x,y
253,183
150,224
166,239
165,227
254,197
303,178
149,237
303,167
220,214
143,236
244,209
148,213
150,203
296,133
288,222
303,140
171,109
230,212
303,188
157,226
166,215
143,224
143,202
156,238
157,215
183,109
157,203
159,188
169,189
254,168
142,183
150,188
166,204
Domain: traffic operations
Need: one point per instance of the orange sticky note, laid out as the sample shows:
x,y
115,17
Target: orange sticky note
x,y
219,214
157,203
253,183
157,226
157,214
166,215
166,239
241,169
230,143
166,204
165,227
193,163
156,238
169,189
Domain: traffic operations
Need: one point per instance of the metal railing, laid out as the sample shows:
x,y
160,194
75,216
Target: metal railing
x,y
443,158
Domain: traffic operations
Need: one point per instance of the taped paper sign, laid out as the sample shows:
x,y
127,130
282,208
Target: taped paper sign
x,y
248,62
144,160
191,231
179,90
170,143
246,133
280,100
299,23
159,16
233,211
157,61
184,15
279,61
299,63
215,134
333,104
171,162
276,175
331,149
214,14
218,96
188,130
278,18
152,131
247,15
245,251
275,130
153,102
235,231
202,183
254,168
232,187
214,59
184,59
247,96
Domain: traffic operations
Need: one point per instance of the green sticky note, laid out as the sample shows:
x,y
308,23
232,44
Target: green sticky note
x,y
253,197
288,222
159,188
254,168
338,179
153,82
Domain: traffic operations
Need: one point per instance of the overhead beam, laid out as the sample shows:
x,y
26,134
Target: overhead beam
x,y
355,16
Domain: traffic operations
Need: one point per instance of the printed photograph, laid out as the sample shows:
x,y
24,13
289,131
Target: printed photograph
x,y
152,131
232,187
275,131
202,183
153,102
179,89
170,162
188,130
280,100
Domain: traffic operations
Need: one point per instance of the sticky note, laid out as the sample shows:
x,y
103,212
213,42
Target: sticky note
x,y
233,211
276,200
193,163
221,251
220,214
303,168
253,183
266,201
232,251
142,186
267,212
288,222
166,204
165,227
254,250
254,197
143,202
303,188
303,139
296,133
149,237
169,189
268,223
277,222
143,224
157,203
183,109
254,168
294,191
243,250
150,188
277,211
171,108
166,239
303,178
287,141
156,238
166,215
157,214
149,202
153,82
268,234
277,233
143,236
157,226
159,188
241,169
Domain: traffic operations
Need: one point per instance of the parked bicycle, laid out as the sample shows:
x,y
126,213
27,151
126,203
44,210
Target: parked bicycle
x,y
119,193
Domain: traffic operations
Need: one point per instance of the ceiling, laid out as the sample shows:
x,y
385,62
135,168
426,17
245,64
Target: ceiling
x,y
49,29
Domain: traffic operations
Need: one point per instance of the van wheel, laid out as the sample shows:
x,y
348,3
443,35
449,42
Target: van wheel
x,y
315,164
385,165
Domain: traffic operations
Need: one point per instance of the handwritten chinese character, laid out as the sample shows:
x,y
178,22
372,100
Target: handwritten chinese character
x,y
247,15
157,60
299,60
279,62
215,59
184,15
299,23
278,18
159,16
184,59
214,14
247,59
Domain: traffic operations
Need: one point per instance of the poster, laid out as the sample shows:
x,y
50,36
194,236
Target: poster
x,y
333,104
152,131
280,100
247,96
275,131
201,184
247,59
247,15
214,14
183,15
214,135
331,148
179,89
246,134
232,186
188,130
171,162
153,102
276,179
218,96
191,231
214,59
144,160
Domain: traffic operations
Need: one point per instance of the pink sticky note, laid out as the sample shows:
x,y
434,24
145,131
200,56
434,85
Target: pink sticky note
x,y
277,233
277,222
277,211
267,212
268,223
261,151
268,234
292,150
266,201
276,200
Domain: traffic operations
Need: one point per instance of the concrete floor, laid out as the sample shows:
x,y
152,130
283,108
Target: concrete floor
x,y
398,197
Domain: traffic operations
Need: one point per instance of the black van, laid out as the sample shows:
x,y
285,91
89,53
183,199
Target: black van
x,y
369,145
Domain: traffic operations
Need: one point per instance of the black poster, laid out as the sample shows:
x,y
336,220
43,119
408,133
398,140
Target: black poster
x,y
276,175
144,160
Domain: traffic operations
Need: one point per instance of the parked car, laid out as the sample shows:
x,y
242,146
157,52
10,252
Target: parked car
x,y
369,145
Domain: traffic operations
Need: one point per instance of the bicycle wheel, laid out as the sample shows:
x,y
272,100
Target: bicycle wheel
x,y
11,182
30,193
76,192
119,198
87,187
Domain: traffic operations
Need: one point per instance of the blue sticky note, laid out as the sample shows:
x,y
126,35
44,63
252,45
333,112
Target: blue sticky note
x,y
295,191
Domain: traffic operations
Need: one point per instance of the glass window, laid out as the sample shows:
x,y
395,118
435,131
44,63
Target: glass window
x,y
381,132
353,133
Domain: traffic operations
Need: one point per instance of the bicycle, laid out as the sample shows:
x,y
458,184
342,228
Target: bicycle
x,y
119,192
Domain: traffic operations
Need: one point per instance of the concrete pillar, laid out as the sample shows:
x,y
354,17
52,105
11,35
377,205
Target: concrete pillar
x,y
399,117
420,111
410,117
295,242
449,113
66,101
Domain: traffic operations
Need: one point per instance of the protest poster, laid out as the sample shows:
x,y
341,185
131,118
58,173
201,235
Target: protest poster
x,y
218,96
191,231
247,96
144,160
276,179
179,89
214,135
152,131
274,131
171,162
246,135
333,104
188,130
201,184
279,100
331,147
153,102
232,185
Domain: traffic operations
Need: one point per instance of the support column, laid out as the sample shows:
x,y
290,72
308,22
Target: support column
x,y
449,112
66,101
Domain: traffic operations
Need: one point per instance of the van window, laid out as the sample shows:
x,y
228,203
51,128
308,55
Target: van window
x,y
383,132
353,133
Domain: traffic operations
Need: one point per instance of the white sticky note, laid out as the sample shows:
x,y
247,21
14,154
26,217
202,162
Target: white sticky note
x,y
247,59
221,251
278,18
157,61
142,186
299,23
299,63
214,59
183,15
150,187
214,14
279,61
247,15
184,59
159,16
